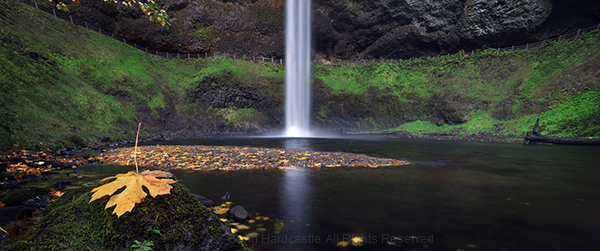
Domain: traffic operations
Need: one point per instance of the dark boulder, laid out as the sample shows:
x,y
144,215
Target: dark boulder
x,y
17,198
225,196
103,138
183,223
204,201
34,164
78,171
237,213
30,178
4,177
70,165
61,184
40,201
9,185
8,214
57,164
45,173
3,167
16,160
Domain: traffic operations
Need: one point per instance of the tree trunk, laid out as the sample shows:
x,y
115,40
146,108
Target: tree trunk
x,y
536,137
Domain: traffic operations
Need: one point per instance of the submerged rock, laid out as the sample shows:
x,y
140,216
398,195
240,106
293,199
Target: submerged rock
x,y
225,196
237,213
204,201
72,223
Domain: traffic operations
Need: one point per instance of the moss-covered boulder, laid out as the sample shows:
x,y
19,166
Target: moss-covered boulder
x,y
176,221
18,197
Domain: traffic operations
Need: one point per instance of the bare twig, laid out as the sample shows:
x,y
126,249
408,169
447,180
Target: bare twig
x,y
135,150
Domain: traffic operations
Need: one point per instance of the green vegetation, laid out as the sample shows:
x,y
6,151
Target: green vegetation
x,y
62,85
245,118
143,245
72,223
500,93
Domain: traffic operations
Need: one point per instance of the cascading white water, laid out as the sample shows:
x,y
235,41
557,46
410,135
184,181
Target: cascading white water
x,y
297,67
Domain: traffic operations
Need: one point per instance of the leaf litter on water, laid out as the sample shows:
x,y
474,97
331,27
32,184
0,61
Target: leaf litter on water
x,y
233,158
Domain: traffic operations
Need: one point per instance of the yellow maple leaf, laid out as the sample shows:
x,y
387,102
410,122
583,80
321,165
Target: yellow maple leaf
x,y
133,192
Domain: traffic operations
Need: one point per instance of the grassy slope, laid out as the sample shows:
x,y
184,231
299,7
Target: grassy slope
x,y
65,84
503,93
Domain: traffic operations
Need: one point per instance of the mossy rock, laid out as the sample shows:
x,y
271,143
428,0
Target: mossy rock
x,y
72,223
6,177
17,198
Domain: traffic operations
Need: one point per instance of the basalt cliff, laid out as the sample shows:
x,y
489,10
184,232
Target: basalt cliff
x,y
346,29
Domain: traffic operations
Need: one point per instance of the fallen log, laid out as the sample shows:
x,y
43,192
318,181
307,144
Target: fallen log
x,y
371,132
536,137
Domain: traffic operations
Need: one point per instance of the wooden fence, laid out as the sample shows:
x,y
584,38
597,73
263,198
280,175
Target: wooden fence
x,y
76,21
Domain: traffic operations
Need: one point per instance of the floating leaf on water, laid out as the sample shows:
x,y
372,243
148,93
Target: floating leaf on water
x,y
357,241
342,244
221,210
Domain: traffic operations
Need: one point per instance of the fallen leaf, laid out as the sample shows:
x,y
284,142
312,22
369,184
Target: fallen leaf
x,y
133,193
56,193
342,244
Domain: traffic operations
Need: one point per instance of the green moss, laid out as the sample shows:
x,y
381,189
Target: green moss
x,y
17,198
72,223
65,84
244,118
484,92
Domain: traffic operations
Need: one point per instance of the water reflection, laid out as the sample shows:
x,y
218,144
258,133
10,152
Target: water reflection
x,y
298,144
465,194
296,205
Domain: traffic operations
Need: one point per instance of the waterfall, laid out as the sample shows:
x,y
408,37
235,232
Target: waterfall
x,y
297,67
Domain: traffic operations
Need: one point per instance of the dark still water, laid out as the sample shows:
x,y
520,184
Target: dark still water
x,y
457,196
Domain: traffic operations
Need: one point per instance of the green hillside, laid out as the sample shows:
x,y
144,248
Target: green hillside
x,y
66,85
501,93
63,85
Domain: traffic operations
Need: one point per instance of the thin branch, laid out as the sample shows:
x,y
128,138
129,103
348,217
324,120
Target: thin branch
x,y
135,150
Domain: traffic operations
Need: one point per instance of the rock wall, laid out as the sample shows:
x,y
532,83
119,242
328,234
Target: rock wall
x,y
347,29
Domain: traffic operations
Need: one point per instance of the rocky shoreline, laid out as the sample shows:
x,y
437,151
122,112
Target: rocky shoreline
x,y
480,137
